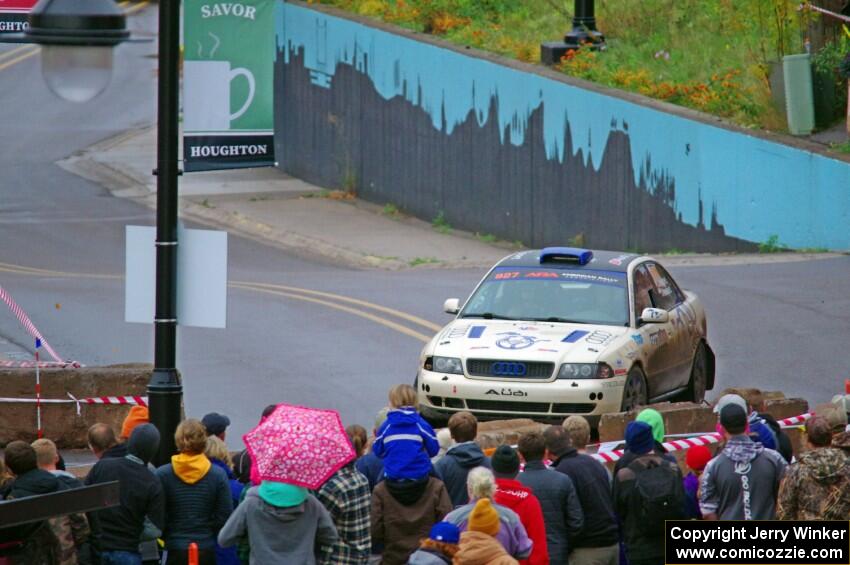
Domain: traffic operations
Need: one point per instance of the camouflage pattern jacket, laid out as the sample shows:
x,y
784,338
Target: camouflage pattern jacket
x,y
817,487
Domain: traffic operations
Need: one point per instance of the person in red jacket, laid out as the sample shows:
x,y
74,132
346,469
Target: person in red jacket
x,y
520,499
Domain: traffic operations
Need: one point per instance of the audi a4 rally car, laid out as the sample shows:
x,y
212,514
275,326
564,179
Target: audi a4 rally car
x,y
559,331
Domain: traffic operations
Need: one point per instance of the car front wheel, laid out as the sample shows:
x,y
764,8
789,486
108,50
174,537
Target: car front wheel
x,y
634,392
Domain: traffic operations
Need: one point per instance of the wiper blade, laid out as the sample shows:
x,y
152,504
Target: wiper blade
x,y
488,316
558,320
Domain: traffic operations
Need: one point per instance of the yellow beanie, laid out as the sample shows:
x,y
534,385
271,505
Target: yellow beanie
x,y
484,518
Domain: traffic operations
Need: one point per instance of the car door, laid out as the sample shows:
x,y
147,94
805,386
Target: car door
x,y
651,338
676,344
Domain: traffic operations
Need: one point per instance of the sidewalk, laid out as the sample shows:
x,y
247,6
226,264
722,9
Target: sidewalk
x,y
271,207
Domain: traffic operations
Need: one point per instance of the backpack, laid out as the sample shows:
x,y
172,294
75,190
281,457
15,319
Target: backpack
x,y
658,495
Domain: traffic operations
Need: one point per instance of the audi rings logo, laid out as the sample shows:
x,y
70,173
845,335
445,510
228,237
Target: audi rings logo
x,y
509,369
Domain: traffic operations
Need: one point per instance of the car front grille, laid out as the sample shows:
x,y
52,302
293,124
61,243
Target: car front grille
x,y
501,369
579,408
511,406
507,406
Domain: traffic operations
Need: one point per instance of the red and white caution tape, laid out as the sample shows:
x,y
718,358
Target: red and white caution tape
x,y
810,6
115,400
609,456
32,330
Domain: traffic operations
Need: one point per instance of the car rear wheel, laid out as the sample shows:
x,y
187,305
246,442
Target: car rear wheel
x,y
699,375
634,392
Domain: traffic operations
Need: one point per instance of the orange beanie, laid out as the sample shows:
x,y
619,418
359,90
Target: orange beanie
x,y
138,415
484,518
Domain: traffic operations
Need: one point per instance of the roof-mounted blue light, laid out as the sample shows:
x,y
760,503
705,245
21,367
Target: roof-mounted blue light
x,y
567,254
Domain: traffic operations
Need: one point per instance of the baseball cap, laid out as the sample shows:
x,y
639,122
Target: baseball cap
x,y
733,418
445,532
727,399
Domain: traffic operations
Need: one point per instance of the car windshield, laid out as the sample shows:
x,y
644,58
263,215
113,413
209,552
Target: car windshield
x,y
554,295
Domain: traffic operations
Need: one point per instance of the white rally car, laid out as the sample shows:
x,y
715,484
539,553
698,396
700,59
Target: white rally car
x,y
560,331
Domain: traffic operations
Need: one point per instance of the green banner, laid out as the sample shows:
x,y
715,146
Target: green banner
x,y
228,73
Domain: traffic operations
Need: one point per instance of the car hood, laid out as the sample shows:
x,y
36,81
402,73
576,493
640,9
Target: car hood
x,y
491,339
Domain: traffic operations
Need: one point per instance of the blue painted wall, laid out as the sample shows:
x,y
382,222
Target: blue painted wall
x,y
756,187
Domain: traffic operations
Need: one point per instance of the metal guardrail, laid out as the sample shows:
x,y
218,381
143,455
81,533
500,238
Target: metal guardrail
x,y
36,508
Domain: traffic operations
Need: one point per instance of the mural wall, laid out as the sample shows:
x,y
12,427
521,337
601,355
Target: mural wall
x,y
524,156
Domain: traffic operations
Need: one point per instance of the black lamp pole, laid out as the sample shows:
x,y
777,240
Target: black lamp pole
x,y
165,393
584,32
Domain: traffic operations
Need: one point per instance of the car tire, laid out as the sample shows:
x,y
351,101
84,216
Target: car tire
x,y
434,418
699,376
634,391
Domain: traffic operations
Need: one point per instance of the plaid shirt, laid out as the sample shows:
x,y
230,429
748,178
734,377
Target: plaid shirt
x,y
346,496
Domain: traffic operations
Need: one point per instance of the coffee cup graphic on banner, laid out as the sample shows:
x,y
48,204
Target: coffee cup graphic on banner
x,y
207,88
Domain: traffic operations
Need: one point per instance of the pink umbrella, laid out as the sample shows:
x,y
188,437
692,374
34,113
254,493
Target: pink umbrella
x,y
298,445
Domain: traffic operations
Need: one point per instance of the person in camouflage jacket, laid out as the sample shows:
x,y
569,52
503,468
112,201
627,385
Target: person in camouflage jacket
x,y
817,487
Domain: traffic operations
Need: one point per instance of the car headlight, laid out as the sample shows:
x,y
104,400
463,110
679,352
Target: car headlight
x,y
585,371
444,365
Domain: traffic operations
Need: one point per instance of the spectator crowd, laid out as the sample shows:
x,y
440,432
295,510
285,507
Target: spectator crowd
x,y
415,496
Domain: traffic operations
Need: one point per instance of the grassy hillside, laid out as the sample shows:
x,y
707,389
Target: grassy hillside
x,y
710,55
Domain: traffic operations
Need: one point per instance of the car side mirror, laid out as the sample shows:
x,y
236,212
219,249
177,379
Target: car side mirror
x,y
654,316
452,306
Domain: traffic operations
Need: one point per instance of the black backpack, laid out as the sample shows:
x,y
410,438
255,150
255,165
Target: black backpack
x,y
658,495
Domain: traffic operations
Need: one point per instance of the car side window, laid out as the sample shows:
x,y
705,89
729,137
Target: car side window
x,y
641,286
680,296
665,295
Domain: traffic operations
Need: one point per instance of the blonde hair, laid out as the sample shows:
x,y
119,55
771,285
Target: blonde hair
x,y
480,483
217,449
45,452
191,437
402,395
579,430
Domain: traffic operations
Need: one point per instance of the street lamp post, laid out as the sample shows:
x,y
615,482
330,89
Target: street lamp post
x,y
165,393
584,32
77,37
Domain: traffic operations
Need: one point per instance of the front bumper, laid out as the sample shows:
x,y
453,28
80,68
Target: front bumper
x,y
487,397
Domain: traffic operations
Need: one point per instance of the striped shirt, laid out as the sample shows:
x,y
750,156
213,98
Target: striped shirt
x,y
347,497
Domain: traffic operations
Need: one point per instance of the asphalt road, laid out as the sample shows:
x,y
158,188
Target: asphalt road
x,y
778,326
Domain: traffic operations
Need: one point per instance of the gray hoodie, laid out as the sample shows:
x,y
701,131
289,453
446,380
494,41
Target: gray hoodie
x,y
279,534
742,482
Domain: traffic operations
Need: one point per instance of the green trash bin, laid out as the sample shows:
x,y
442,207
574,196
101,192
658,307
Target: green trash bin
x,y
799,98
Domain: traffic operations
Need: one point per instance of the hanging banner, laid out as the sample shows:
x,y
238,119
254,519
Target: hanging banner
x,y
228,65
13,14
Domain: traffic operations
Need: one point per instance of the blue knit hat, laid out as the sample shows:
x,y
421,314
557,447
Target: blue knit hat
x,y
639,438
445,532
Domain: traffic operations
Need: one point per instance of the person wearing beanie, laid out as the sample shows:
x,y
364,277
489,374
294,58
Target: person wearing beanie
x,y
197,497
478,544
646,493
655,421
481,485
439,548
817,486
119,529
283,522
696,458
137,416
519,498
742,482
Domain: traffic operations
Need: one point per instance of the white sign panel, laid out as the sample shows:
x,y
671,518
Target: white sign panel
x,y
201,277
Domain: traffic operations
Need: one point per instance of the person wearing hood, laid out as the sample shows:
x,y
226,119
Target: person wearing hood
x,y
71,532
439,548
519,498
742,481
121,527
197,497
455,465
646,493
402,514
406,442
284,524
655,421
479,544
481,484
817,486
137,416
598,541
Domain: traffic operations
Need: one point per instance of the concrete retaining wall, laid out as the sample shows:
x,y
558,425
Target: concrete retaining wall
x,y
525,153
60,421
